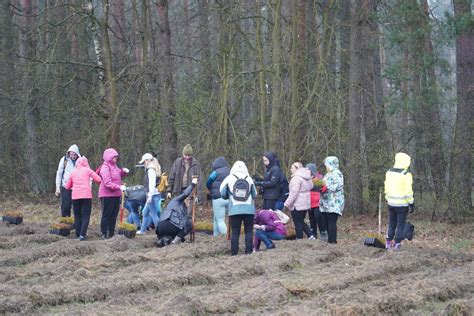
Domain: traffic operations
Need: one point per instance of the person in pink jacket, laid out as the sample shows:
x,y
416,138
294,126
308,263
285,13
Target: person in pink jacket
x,y
80,183
110,191
299,199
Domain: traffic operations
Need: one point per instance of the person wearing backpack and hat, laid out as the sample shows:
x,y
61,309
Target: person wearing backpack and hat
x,y
182,172
80,184
271,181
299,201
315,218
66,165
239,189
399,196
220,170
110,191
151,210
332,197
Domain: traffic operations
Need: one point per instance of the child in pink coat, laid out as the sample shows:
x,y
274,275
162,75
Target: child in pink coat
x,y
110,191
80,183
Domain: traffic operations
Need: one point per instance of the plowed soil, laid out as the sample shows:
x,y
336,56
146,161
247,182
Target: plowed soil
x,y
44,273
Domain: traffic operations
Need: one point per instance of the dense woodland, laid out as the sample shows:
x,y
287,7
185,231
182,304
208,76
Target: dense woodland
x,y
360,79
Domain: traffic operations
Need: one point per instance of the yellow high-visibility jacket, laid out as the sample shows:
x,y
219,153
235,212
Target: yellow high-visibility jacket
x,y
399,182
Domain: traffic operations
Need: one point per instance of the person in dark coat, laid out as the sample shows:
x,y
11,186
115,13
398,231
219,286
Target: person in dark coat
x,y
220,170
271,181
175,222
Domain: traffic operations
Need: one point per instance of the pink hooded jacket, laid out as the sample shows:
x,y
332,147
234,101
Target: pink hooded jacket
x,y
80,180
111,175
300,185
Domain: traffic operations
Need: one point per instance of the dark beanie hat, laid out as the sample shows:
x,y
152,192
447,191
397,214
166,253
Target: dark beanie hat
x,y
312,167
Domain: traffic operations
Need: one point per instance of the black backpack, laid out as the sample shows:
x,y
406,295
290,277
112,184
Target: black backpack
x,y
241,190
284,188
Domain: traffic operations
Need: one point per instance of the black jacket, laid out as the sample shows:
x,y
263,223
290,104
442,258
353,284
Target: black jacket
x,y
221,167
272,178
177,213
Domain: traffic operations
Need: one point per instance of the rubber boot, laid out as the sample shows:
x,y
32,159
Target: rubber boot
x,y
397,247
388,244
323,236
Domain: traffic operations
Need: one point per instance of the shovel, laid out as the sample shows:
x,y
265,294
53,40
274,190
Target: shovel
x,y
376,240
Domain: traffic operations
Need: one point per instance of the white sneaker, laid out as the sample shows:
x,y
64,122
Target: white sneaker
x,y
140,232
311,237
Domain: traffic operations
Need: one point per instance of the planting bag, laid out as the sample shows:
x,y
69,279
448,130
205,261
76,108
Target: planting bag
x,y
409,231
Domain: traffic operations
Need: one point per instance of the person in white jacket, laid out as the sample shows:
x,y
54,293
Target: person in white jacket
x,y
67,163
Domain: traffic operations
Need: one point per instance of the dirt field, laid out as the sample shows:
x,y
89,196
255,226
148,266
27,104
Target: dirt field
x,y
43,273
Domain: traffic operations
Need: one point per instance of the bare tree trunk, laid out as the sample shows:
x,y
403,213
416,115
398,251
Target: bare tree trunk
x,y
276,106
167,106
262,87
461,167
112,98
359,95
205,43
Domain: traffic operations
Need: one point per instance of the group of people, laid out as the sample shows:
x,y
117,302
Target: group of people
x,y
233,192
307,192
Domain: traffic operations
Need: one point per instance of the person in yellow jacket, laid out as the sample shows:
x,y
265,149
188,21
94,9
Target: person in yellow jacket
x,y
399,196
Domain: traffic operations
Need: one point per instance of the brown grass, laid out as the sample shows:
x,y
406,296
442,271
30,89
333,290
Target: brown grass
x,y
48,274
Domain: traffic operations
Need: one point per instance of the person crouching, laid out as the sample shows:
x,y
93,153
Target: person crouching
x,y
175,223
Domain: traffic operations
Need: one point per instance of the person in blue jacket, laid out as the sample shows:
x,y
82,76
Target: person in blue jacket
x,y
220,170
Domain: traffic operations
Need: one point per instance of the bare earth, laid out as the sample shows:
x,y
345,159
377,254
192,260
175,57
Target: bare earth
x,y
44,273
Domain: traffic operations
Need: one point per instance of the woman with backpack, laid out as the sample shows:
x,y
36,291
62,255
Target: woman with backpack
x,y
110,191
151,210
299,201
80,184
271,181
268,227
239,189
332,196
220,170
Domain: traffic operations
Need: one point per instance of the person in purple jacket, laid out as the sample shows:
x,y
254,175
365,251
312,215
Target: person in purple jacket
x,y
110,191
268,227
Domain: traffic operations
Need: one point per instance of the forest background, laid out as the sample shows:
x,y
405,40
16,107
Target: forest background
x,y
360,79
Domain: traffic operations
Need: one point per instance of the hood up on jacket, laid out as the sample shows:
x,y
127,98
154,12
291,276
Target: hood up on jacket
x,y
402,161
82,162
331,163
219,162
272,158
75,149
109,154
240,169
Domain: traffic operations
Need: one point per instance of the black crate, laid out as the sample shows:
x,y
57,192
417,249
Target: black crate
x,y
13,220
60,231
127,233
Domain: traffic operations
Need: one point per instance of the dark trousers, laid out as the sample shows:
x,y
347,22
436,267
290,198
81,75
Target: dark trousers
x,y
235,224
316,221
82,214
330,220
397,218
66,202
300,225
269,204
110,209
165,228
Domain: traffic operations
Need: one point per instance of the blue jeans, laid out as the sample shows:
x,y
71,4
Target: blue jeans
x,y
219,207
133,207
151,212
266,237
